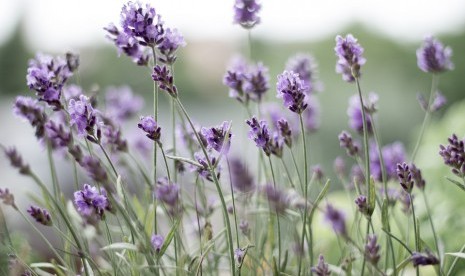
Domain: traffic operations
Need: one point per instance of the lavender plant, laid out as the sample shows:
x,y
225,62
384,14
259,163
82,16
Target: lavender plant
x,y
169,225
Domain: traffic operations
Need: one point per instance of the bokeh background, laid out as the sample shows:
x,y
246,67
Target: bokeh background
x,y
390,32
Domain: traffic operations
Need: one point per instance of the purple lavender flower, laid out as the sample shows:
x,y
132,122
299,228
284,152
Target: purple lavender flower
x,y
241,178
405,177
57,135
172,40
305,66
47,76
113,137
322,268
417,177
82,115
150,126
217,136
453,155
246,13
7,198
204,170
128,45
292,90
362,204
121,104
16,161
350,57
355,116
235,78
345,141
42,216
256,83
143,23
29,109
424,259
157,242
94,168
318,173
312,114
72,61
276,145
433,57
372,249
259,134
90,201
406,200
72,91
244,227
337,220
285,131
438,102
239,255
164,78
339,166
392,154
357,175
277,199
167,192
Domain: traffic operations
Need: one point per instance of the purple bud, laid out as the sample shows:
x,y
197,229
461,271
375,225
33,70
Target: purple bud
x,y
417,177
90,201
433,57
7,198
244,227
345,141
94,168
168,193
157,242
239,255
285,131
424,259
29,109
16,161
354,112
438,102
362,204
259,134
256,83
42,216
172,41
151,128
241,178
277,199
339,166
405,177
57,135
337,220
121,104
304,65
322,268
453,155
165,80
82,115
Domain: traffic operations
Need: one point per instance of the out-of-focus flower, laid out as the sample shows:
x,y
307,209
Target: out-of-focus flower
x,y
241,178
355,116
372,249
128,45
350,58
172,41
150,127
219,137
433,57
392,154
256,83
16,160
424,259
292,90
322,268
94,169
337,220
42,216
157,242
277,199
121,104
29,109
306,66
164,79
345,141
246,13
7,198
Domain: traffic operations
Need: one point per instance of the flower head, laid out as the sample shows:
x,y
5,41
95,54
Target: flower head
x,y
277,199
219,137
42,216
241,178
235,78
167,192
16,160
453,155
345,141
372,249
82,115
337,220
285,131
29,109
172,41
259,134
142,22
7,197
405,177
417,177
256,83
305,66
291,88
355,116
392,154
128,45
58,135
150,127
94,168
164,79
362,204
322,268
433,57
90,201
246,13
239,255
350,58
121,104
157,242
311,114
424,259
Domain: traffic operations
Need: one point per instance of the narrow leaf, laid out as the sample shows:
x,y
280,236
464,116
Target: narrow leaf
x,y
385,214
456,254
121,246
168,238
319,198
460,185
371,197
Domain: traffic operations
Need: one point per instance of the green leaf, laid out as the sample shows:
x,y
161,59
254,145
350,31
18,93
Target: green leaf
x,y
169,238
119,187
319,198
121,246
400,266
456,254
460,185
385,214
371,197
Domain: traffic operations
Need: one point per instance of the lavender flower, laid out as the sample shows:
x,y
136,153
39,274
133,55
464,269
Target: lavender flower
x,y
424,259
42,216
16,161
244,227
128,45
350,58
339,166
172,40
82,115
345,141
235,78
150,126
406,200
204,170
454,155
47,76
372,249
392,154
362,204
113,137
337,220
292,90
167,192
7,198
121,104
276,145
285,131
417,177
305,66
157,242
164,78
433,57
246,13
355,116
72,61
57,135
90,201
94,168
256,83
259,134
318,172
357,175
239,255
241,178
29,109
277,199
143,23
322,268
219,137
438,102
405,177
72,91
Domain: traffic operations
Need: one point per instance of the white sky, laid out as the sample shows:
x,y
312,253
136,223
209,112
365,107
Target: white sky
x,y
70,24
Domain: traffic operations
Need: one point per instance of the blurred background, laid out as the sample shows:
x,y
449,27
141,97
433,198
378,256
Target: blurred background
x,y
390,32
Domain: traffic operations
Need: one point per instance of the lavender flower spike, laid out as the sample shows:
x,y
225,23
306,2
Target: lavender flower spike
x,y
350,57
337,220
354,111
128,45
42,216
372,249
157,242
172,40
219,137
405,177
291,88
7,198
433,57
143,23
306,67
454,155
246,13
417,177
424,259
150,126
16,161
345,141
256,83
165,81
29,109
285,131
82,115
241,178
322,268
90,201
259,134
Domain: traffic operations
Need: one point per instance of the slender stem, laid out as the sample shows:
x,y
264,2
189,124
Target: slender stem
x,y
433,229
302,129
287,173
218,188
451,268
56,186
234,203
417,246
277,218
365,139
364,253
434,83
296,169
108,159
166,162
155,116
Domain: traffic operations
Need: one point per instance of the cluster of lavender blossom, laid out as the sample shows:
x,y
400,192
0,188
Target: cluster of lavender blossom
x,y
268,215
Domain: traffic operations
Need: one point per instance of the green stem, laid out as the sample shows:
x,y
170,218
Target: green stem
x,y
218,188
434,83
364,253
234,204
417,246
302,129
365,138
433,229
166,162
451,268
155,115
277,219
296,169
